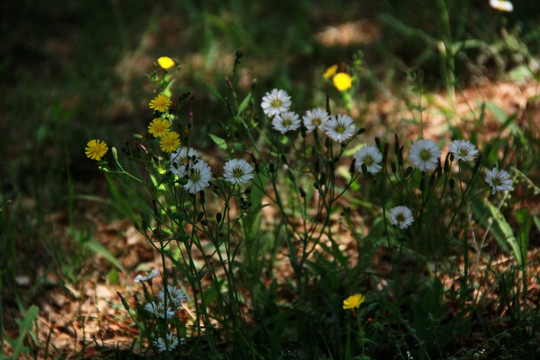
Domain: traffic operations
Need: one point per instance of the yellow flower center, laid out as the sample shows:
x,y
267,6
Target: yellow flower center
x,y
368,160
276,103
424,155
340,129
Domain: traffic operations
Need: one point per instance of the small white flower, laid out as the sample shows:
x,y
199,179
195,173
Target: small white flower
x,y
149,276
315,119
502,5
498,179
238,171
275,102
180,159
171,340
198,175
286,121
158,310
176,296
401,216
424,155
370,156
340,127
463,150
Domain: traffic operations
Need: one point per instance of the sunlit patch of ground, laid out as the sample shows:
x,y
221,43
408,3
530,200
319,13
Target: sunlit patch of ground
x,y
353,33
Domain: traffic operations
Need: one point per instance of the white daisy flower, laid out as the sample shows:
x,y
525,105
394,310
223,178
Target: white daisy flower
x,y
198,175
463,150
286,121
176,296
171,340
180,159
315,119
149,276
340,127
401,216
498,179
502,5
370,156
158,310
424,155
275,102
238,171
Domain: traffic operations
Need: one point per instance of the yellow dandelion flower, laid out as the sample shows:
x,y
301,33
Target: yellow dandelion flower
x,y
159,127
165,62
342,81
353,302
170,141
330,71
96,149
160,103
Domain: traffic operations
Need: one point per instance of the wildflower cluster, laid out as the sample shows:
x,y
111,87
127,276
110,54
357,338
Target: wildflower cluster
x,y
277,103
162,309
179,222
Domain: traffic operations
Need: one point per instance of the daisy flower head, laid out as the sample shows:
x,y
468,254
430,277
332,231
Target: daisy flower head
x,y
165,62
170,141
238,171
330,71
340,127
342,81
502,5
180,160
276,102
424,155
353,302
400,216
370,156
198,176
463,150
286,121
96,149
170,339
176,296
159,310
149,276
315,119
159,127
499,180
160,103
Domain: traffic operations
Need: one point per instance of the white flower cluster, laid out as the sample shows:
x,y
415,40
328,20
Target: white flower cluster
x,y
169,343
185,162
276,104
425,156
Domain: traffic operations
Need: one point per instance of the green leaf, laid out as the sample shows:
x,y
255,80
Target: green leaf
x,y
99,249
221,143
113,277
524,219
244,104
214,91
500,228
506,230
25,325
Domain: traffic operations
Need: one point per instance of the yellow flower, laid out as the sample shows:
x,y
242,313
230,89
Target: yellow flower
x,y
330,71
159,127
170,141
160,103
95,149
165,62
353,301
342,81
